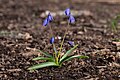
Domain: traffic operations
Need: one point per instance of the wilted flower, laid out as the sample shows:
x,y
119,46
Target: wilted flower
x,y
52,39
67,12
71,19
71,43
47,20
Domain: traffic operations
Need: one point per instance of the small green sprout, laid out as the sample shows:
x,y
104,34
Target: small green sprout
x,y
114,23
56,59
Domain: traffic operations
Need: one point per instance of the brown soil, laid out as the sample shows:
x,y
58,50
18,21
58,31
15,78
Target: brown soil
x,y
22,33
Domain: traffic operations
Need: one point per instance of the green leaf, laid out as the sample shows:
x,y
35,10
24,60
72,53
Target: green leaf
x,y
117,40
43,58
71,57
68,52
114,25
42,65
83,57
45,53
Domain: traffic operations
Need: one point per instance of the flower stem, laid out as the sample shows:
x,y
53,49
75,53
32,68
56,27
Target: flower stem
x,y
55,50
63,40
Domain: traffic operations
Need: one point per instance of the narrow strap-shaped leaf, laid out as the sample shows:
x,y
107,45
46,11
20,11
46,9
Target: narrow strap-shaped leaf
x,y
42,65
43,58
68,52
115,22
45,53
114,25
71,57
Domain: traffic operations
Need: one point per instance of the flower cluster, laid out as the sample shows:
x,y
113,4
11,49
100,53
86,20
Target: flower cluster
x,y
68,13
50,18
46,22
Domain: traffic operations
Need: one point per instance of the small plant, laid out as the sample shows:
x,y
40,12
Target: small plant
x,y
56,59
114,23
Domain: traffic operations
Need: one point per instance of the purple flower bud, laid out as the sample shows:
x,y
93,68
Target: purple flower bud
x,y
46,21
71,43
71,19
67,12
52,39
50,18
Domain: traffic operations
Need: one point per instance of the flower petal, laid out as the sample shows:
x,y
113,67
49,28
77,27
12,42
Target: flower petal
x,y
71,19
50,17
52,40
67,12
71,43
46,21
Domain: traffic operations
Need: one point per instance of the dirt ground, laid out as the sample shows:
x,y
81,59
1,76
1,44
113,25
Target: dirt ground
x,y
22,33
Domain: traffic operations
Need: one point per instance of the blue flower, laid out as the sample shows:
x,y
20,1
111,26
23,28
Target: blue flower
x,y
47,20
52,39
71,43
71,19
50,18
67,12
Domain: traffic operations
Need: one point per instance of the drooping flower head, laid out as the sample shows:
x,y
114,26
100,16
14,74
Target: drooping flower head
x,y
71,19
52,39
67,12
71,43
50,17
47,20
